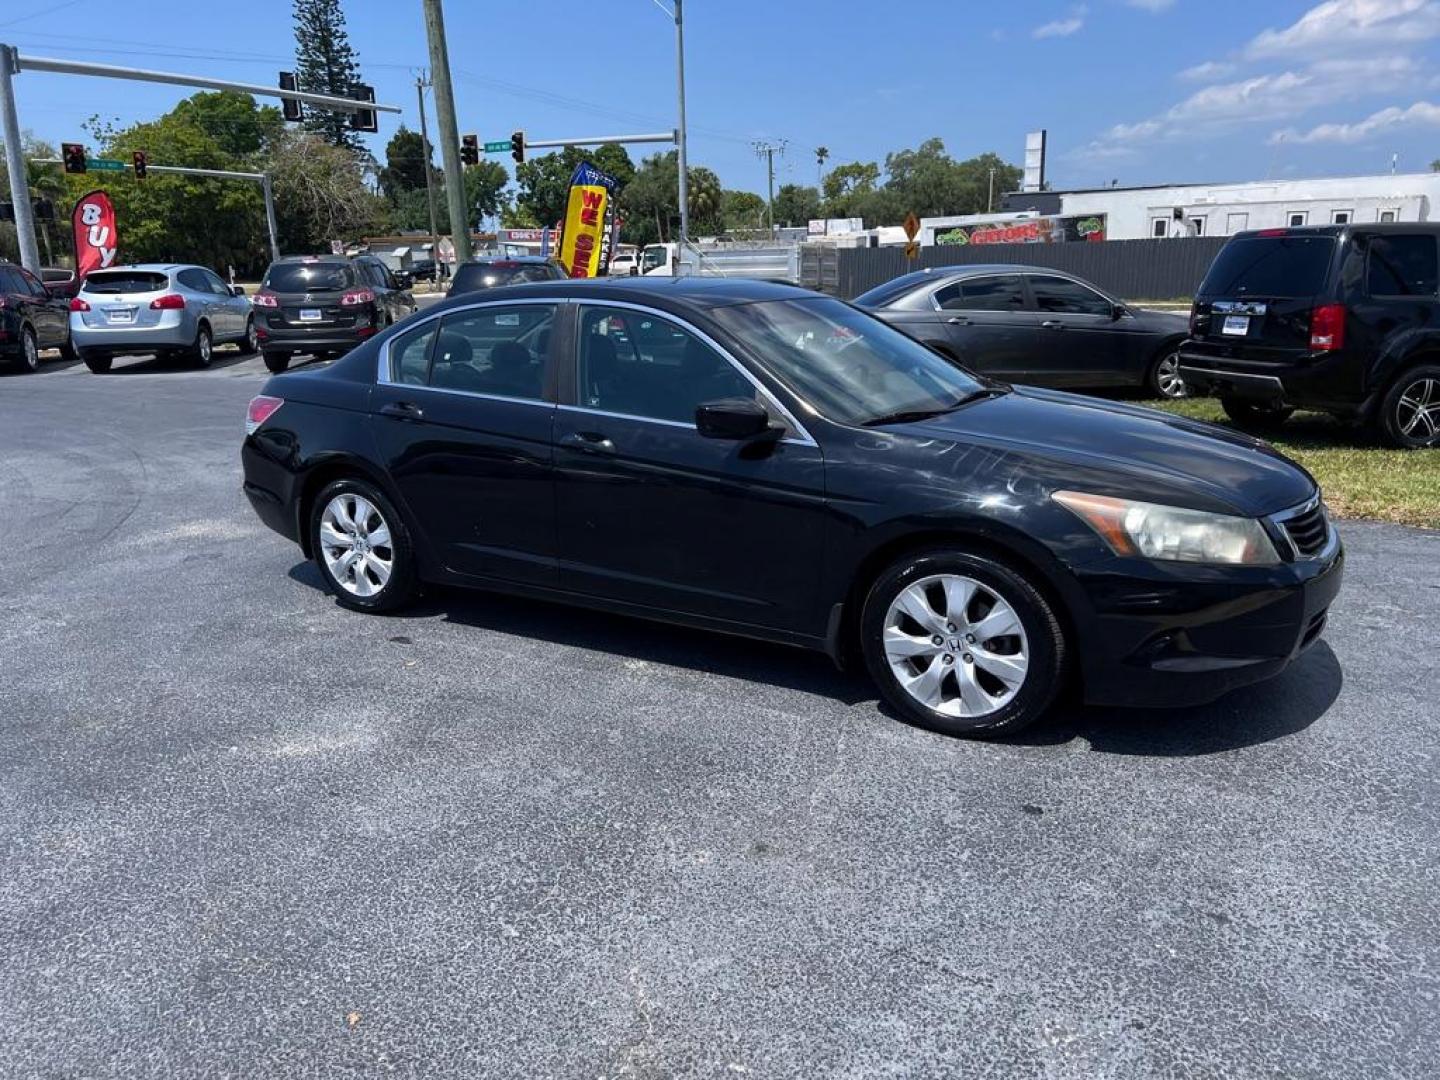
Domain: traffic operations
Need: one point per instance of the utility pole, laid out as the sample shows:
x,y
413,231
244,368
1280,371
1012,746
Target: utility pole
x,y
15,163
420,84
990,198
449,130
680,131
768,152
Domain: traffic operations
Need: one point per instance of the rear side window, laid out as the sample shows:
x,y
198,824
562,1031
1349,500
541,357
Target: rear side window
x,y
891,290
309,277
983,294
10,281
1402,266
1280,266
494,350
125,281
410,355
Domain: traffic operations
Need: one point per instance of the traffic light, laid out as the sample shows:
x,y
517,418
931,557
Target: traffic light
x,y
517,147
289,107
142,164
469,150
365,119
74,155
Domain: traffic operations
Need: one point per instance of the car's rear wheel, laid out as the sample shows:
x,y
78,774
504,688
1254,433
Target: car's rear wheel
x,y
1409,415
962,643
29,350
362,547
251,341
1256,415
203,351
276,362
98,364
1165,380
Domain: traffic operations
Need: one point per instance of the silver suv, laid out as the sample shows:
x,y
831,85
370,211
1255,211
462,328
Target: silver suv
x,y
162,308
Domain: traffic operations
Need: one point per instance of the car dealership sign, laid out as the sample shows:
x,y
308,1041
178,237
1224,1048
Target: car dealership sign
x,y
96,240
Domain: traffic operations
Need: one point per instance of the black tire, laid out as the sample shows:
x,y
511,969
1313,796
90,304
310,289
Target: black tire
x,y
402,584
202,353
1045,641
276,362
1164,379
1409,413
68,352
1256,415
29,360
250,343
98,365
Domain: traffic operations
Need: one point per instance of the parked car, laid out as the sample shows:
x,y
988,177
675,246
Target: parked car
x,y
60,281
325,304
31,318
625,263
1032,325
492,273
422,269
1343,319
765,461
164,308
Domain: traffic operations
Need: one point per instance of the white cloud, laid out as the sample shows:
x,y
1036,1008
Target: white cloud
x,y
1351,25
1421,113
1071,24
1151,5
1210,69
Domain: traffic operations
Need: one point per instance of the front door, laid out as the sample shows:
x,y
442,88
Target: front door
x,y
464,426
1087,342
651,512
989,326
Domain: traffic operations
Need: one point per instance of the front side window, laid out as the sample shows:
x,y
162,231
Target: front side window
x,y
1062,296
494,350
638,364
1402,266
983,294
849,366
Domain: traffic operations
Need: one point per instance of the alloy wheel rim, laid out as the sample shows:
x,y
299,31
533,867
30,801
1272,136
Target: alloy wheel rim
x,y
204,347
1167,376
32,352
355,544
251,341
1417,413
956,646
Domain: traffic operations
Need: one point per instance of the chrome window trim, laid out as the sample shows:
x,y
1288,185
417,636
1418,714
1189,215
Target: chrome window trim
x,y
383,370
802,436
961,279
478,394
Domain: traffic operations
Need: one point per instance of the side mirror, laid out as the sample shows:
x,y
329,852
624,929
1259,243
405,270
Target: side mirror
x,y
732,418
237,290
1117,311
404,280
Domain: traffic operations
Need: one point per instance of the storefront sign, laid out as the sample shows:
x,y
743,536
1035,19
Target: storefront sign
x,y
1034,230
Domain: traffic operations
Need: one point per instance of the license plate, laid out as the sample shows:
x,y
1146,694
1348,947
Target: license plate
x,y
1236,325
310,314
120,316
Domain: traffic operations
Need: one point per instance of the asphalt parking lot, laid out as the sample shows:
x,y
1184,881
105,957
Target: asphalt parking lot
x,y
246,833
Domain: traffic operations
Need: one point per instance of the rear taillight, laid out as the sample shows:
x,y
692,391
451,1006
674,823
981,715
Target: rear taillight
x,y
168,302
357,296
261,409
265,299
76,304
1327,328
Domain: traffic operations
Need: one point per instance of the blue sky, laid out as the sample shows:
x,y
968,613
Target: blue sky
x,y
1140,91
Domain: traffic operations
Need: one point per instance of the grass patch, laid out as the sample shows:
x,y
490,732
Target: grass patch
x,y
1360,478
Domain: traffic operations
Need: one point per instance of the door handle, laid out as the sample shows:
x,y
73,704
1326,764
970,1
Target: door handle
x,y
1053,324
402,410
955,320
588,442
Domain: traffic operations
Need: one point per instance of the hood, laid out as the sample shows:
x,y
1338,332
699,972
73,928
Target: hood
x,y
1124,450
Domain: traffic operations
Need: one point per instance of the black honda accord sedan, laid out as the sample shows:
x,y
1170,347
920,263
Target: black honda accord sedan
x,y
760,460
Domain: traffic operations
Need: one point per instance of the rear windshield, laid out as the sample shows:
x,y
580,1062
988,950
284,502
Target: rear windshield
x,y
893,289
125,281
474,276
309,277
1270,266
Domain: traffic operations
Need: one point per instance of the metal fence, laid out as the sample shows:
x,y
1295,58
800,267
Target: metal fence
x,y
1129,269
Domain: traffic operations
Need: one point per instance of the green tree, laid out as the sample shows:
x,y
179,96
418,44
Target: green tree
x,y
320,193
847,186
326,64
405,162
742,211
544,181
232,119
43,182
930,183
796,204
485,188
650,204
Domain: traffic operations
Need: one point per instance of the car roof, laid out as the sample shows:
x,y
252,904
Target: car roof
x,y
489,260
150,268
337,259
1337,230
701,292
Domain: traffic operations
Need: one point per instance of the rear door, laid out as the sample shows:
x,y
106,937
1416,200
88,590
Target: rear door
x,y
463,418
236,308
309,294
1083,340
989,324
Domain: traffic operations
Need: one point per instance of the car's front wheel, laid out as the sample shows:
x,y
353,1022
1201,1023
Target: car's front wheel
x,y
1165,380
1256,415
362,547
962,643
1409,414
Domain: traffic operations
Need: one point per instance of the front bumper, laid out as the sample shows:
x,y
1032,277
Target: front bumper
x,y
1171,634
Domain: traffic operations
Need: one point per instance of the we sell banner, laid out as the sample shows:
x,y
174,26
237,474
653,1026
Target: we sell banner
x,y
95,237
589,211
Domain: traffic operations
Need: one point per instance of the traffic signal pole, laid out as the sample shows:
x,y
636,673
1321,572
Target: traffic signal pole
x,y
420,84
15,164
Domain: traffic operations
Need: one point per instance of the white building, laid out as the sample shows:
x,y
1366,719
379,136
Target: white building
x,y
1221,209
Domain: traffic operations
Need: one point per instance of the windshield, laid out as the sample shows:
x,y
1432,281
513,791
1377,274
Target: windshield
x,y
309,277
849,366
654,257
1281,266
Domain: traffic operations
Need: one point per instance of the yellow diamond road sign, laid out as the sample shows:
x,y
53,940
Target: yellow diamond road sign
x,y
912,250
912,225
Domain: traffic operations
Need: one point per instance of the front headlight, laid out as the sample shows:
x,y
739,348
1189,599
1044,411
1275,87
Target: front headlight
x,y
1152,531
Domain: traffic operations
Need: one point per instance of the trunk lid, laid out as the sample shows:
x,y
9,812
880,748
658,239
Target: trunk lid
x,y
120,299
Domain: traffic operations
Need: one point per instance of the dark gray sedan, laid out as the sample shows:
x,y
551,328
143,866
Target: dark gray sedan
x,y
1028,324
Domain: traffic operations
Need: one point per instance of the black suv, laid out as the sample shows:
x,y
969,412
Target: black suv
x,y
1343,319
325,304
491,273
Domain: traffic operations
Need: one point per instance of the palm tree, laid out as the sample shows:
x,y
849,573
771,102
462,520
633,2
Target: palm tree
x,y
45,182
704,195
821,153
